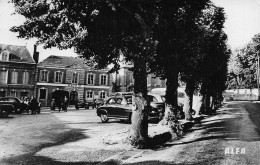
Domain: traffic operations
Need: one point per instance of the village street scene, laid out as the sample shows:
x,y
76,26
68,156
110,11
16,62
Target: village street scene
x,y
113,82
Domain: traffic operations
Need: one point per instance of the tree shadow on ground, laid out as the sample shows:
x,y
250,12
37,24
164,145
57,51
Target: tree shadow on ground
x,y
221,128
56,139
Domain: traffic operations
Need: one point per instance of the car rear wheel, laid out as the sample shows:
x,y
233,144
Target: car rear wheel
x,y
104,118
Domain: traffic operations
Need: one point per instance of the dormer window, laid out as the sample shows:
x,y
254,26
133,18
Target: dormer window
x,y
4,56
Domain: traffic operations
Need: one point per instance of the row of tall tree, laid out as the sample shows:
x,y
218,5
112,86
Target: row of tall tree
x,y
174,39
243,65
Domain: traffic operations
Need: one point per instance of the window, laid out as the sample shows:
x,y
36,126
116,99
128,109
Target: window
x,y
25,77
4,56
74,78
42,93
3,76
89,94
14,77
13,93
44,75
90,79
58,77
102,95
103,79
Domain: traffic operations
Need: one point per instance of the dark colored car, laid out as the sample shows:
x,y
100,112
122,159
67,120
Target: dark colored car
x,y
157,104
5,109
120,107
80,104
19,106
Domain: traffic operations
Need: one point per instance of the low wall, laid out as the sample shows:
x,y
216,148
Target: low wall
x,y
241,94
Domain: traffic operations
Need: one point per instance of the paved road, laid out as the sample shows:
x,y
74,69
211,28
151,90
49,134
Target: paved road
x,y
232,136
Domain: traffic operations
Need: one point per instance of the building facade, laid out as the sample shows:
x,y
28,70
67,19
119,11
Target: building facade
x,y
123,81
17,71
74,76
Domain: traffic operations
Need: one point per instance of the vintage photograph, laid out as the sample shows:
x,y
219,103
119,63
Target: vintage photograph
x,y
129,82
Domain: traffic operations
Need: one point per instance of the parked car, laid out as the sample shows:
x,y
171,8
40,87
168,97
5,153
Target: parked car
x,y
5,109
94,103
120,107
157,104
19,106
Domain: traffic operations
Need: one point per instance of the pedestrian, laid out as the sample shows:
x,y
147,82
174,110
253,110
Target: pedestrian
x,y
53,104
58,103
77,104
65,104
94,104
34,105
27,101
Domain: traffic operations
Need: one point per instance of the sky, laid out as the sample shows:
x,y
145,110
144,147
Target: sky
x,y
242,23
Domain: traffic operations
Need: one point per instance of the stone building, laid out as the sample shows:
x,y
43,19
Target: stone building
x,y
74,76
17,70
123,81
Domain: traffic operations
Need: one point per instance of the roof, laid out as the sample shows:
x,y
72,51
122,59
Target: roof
x,y
18,53
61,60
65,61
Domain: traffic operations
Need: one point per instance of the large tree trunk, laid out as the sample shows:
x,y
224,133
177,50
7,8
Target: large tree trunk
x,y
139,128
171,103
187,108
199,108
207,102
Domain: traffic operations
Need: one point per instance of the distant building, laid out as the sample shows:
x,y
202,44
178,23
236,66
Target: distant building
x,y
17,70
123,81
73,75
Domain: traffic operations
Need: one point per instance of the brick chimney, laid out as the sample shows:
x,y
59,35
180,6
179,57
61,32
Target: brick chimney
x,y
35,54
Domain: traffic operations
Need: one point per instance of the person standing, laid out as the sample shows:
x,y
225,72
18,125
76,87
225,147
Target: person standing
x,y
34,105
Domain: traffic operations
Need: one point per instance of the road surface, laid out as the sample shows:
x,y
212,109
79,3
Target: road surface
x,y
232,136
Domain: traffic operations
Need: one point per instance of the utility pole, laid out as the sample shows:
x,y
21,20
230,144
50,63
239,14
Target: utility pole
x,y
258,75
36,59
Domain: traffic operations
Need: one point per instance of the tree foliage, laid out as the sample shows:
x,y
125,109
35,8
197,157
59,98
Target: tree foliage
x,y
242,67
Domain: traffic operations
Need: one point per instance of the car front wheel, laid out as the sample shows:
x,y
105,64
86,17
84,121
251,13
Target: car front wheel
x,y
104,118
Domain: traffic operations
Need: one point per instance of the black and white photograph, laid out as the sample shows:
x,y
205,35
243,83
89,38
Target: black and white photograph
x,y
129,82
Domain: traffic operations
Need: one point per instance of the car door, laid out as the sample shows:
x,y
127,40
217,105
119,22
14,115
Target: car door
x,y
110,106
125,107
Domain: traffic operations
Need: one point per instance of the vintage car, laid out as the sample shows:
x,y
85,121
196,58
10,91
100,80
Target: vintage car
x,y
5,109
19,106
120,107
94,103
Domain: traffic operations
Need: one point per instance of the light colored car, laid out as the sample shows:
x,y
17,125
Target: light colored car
x,y
162,91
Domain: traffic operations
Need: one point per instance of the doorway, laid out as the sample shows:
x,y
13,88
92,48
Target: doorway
x,y
73,97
